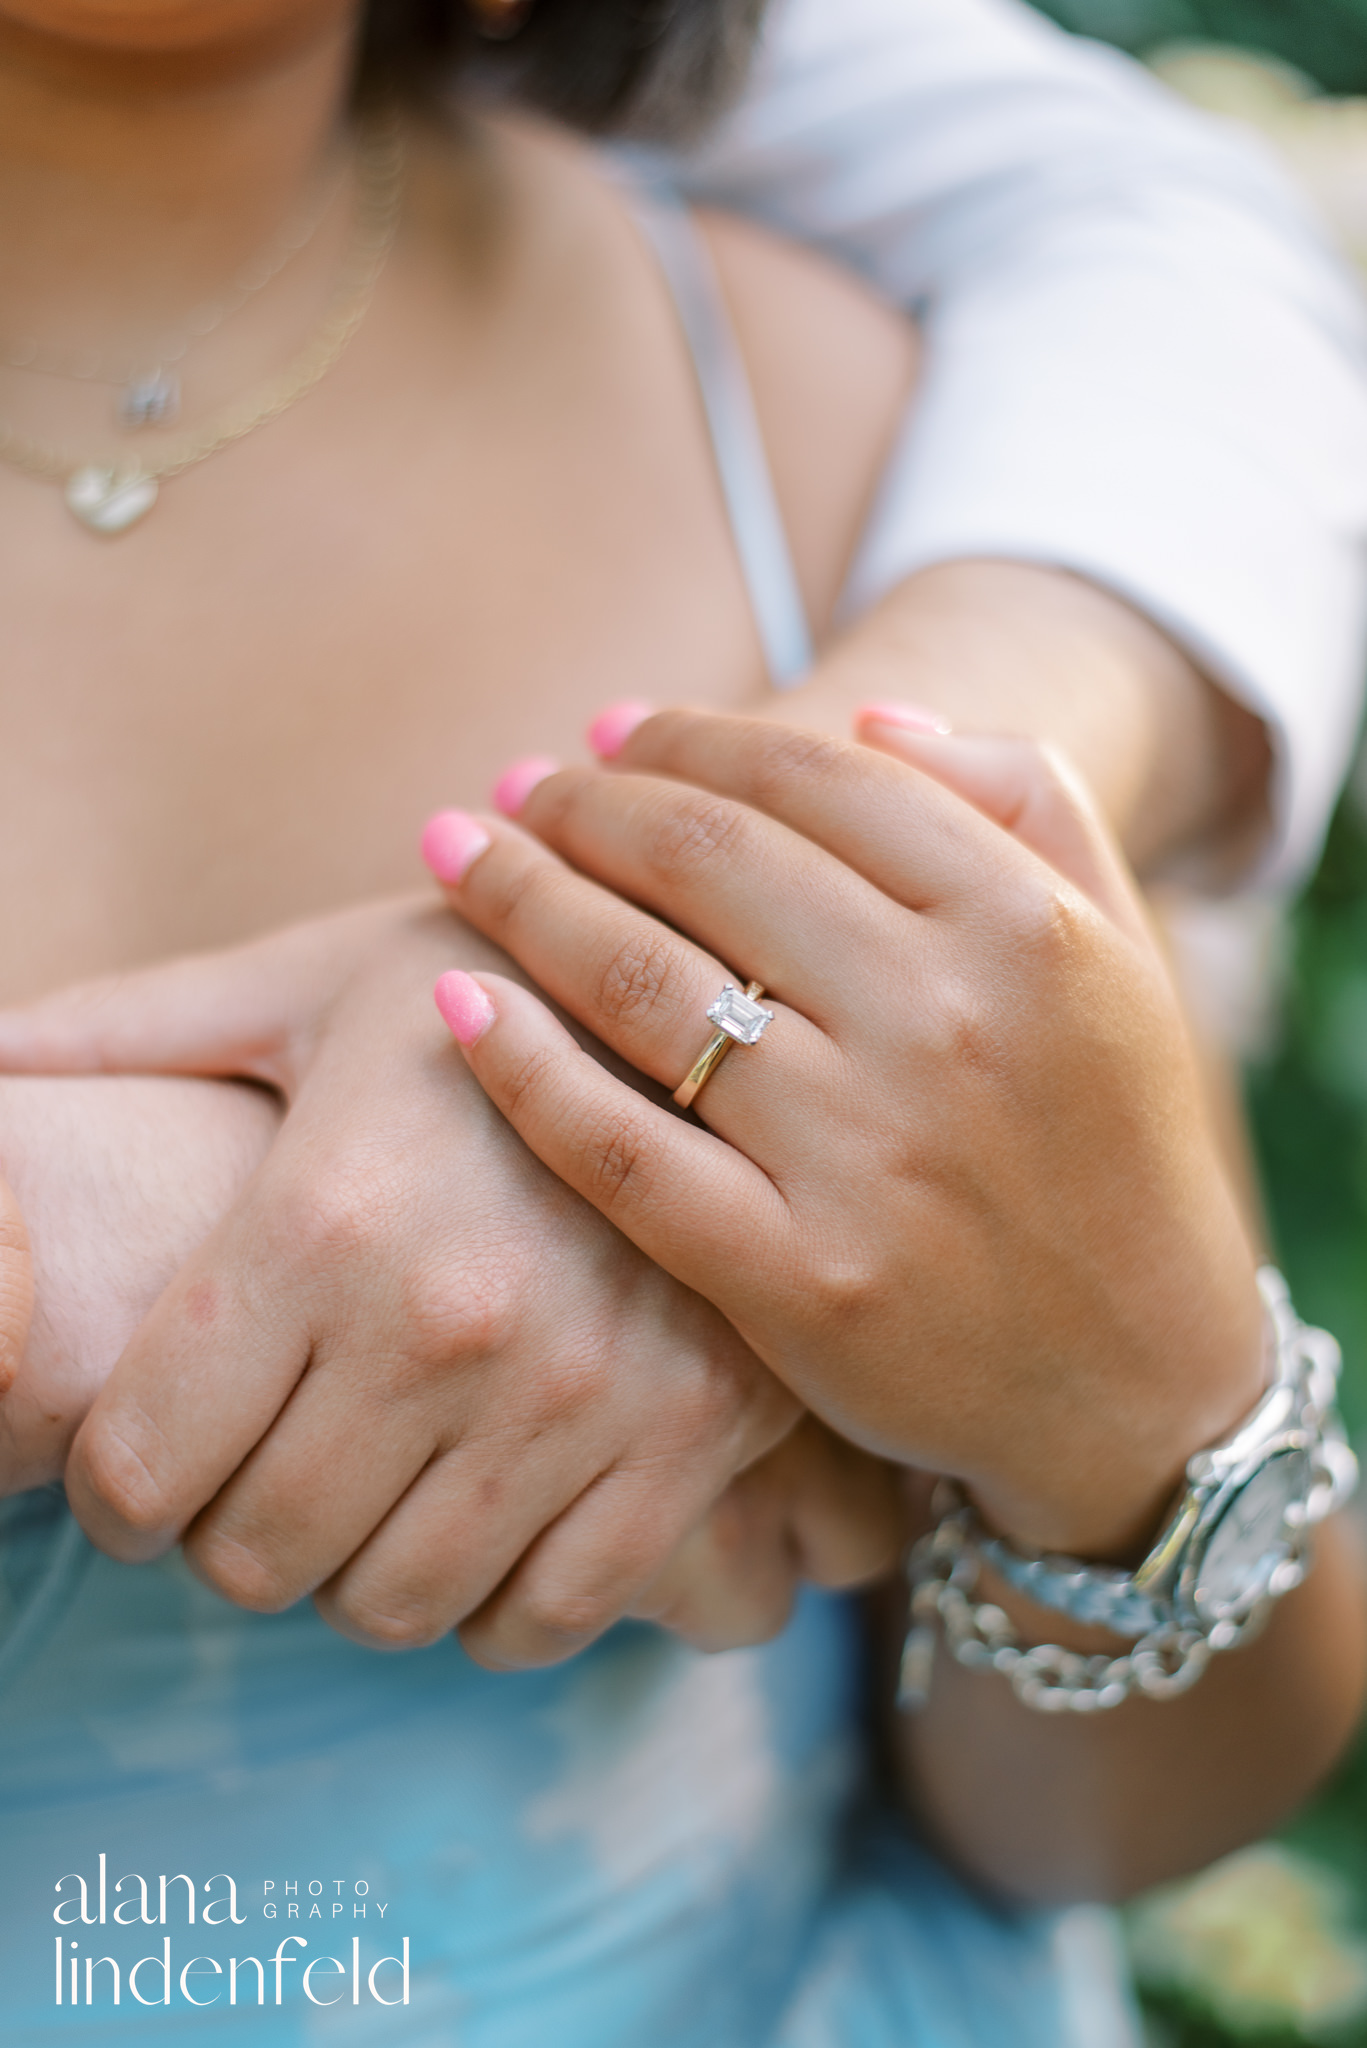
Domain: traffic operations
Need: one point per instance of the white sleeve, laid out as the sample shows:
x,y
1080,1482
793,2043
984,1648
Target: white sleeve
x,y
1143,364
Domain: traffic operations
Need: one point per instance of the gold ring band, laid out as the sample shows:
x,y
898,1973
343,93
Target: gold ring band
x,y
739,1021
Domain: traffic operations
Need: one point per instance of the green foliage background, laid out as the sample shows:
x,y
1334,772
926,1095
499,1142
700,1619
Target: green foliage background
x,y
1327,38
1309,1112
1309,1102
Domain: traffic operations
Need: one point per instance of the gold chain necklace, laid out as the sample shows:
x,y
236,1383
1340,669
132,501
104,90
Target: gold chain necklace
x,y
147,373
110,495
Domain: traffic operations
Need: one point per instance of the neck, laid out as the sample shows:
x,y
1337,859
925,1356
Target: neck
x,y
132,184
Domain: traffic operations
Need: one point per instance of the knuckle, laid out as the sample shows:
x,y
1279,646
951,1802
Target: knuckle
x,y
617,1156
451,1316
962,1028
564,1618
1051,923
387,1623
690,832
569,1384
1049,980
704,1408
974,1041
527,1081
1018,905
121,1483
246,1577
518,892
789,755
709,1408
845,1286
343,1216
642,974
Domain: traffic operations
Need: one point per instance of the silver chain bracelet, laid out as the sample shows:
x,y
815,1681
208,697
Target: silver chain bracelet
x,y
942,1572
1237,1539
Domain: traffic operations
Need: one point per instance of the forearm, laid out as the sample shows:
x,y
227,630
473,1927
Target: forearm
x,y
1009,647
1144,361
1060,1807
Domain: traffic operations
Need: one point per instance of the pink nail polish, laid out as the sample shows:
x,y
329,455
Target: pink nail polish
x,y
516,783
907,717
615,724
450,842
465,1007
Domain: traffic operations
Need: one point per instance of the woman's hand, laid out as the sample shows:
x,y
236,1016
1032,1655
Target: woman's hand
x,y
120,1179
966,1205
408,1371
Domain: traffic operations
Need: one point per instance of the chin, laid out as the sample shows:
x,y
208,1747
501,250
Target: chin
x,y
174,27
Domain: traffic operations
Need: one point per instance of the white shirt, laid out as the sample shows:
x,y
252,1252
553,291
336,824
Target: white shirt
x,y
1143,362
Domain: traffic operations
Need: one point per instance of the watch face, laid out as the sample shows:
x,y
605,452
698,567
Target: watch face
x,y
1250,1539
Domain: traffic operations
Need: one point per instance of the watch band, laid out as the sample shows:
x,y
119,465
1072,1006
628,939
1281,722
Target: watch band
x,y
1177,1618
1095,1594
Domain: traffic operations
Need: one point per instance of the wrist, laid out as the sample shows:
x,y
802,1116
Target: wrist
x,y
1239,1540
1015,647
1237,1536
1107,1497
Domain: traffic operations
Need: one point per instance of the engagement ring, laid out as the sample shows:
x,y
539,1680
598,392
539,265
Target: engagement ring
x,y
740,1019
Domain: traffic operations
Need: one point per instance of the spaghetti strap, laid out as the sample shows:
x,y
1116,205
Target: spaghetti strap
x,y
738,448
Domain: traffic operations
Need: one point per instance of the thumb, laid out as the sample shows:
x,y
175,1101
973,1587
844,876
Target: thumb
x,y
16,1288
1029,788
227,1014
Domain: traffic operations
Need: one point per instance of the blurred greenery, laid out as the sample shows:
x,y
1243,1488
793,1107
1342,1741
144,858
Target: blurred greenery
x,y
1326,38
1308,1101
1308,1104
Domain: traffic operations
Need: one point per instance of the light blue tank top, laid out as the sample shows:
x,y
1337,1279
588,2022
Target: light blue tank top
x,y
644,1848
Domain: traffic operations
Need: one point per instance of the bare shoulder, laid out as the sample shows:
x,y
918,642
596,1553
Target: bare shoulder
x,y
832,367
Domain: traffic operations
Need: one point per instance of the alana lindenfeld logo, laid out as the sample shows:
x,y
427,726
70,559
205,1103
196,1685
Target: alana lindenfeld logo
x,y
329,1963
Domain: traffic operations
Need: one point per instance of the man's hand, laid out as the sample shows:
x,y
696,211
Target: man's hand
x,y
408,1371
119,1180
815,1510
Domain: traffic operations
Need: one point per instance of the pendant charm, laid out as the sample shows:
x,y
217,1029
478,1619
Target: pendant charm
x,y
152,400
107,502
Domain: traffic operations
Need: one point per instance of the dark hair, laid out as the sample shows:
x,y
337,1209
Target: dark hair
x,y
641,67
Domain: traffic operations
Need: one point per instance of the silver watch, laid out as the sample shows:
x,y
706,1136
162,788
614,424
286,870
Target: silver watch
x,y
1239,1532
1237,1541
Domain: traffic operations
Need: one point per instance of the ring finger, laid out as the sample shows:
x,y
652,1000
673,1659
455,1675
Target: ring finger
x,y
639,986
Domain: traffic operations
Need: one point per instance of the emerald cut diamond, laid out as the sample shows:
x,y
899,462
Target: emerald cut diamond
x,y
739,1016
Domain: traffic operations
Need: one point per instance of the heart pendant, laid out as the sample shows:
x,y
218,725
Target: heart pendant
x,y
107,502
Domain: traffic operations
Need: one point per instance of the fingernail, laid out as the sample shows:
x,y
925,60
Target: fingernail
x,y
908,717
615,724
450,842
465,1007
516,784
